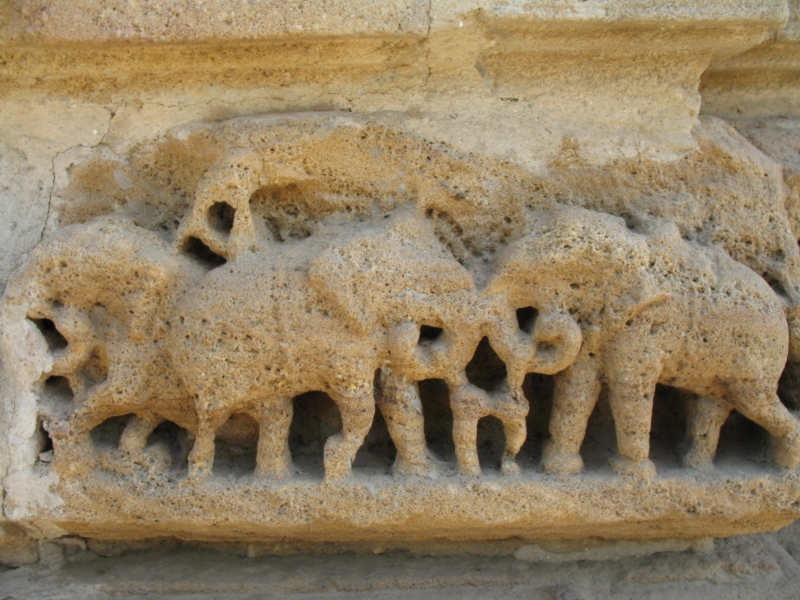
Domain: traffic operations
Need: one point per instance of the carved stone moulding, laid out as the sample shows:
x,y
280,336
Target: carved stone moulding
x,y
328,328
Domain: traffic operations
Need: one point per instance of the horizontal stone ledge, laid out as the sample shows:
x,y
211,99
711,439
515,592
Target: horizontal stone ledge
x,y
213,20
468,54
678,504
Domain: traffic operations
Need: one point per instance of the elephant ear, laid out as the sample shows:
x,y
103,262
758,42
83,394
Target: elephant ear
x,y
344,286
646,293
399,266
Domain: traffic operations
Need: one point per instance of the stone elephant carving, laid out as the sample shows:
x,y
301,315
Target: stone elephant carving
x,y
439,341
652,309
108,287
271,325
361,298
547,347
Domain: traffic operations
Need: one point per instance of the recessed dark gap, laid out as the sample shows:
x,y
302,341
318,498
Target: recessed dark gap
x,y
316,418
742,444
55,341
202,253
428,334
95,370
600,442
486,370
378,452
668,428
438,416
776,285
491,442
57,388
175,440
789,386
538,390
108,434
236,445
221,216
44,441
526,318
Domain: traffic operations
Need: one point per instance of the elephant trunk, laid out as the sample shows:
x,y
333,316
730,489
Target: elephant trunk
x,y
557,340
443,357
551,347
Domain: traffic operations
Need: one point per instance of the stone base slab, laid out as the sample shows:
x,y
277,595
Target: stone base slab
x,y
379,508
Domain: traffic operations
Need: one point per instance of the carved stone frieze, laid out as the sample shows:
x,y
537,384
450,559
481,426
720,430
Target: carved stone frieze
x,y
298,326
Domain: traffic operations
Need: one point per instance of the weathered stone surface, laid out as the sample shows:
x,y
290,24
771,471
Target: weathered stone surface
x,y
761,82
210,279
437,277
744,567
60,21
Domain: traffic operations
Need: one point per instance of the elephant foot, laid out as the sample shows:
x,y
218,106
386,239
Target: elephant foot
x,y
468,463
71,459
335,459
273,470
66,467
786,451
697,460
639,469
559,462
418,468
198,473
509,466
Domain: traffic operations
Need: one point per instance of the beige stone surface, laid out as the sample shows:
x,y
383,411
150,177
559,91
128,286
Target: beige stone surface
x,y
761,82
59,21
212,278
371,174
745,567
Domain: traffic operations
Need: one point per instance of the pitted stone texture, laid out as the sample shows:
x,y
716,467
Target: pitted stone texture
x,y
725,193
780,140
653,309
189,295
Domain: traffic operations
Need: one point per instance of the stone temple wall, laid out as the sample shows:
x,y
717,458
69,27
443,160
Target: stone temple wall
x,y
429,278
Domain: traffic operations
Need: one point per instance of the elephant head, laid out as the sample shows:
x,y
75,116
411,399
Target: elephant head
x,y
398,276
221,217
530,341
580,263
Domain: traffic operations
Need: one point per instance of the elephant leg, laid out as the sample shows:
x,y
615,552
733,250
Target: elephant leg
x,y
631,398
574,396
762,406
706,418
469,404
633,367
516,431
511,408
73,451
401,407
274,458
201,458
134,437
357,412
465,437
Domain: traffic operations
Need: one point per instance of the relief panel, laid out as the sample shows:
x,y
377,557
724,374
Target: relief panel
x,y
329,328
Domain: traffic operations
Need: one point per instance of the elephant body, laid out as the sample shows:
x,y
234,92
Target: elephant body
x,y
394,276
253,336
109,288
652,309
316,314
